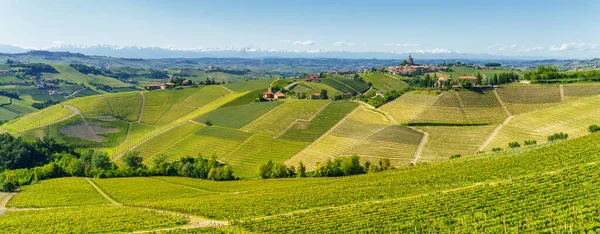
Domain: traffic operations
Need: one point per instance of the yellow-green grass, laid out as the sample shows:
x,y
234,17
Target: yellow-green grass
x,y
244,86
357,127
277,120
151,113
38,119
178,95
445,141
88,219
157,97
396,143
57,192
208,142
409,106
458,107
581,90
308,131
206,95
382,81
137,129
133,142
237,116
573,118
126,106
311,87
523,99
190,103
339,84
92,106
68,73
165,140
146,189
259,149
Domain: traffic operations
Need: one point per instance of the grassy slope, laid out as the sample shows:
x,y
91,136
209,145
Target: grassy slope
x,y
383,81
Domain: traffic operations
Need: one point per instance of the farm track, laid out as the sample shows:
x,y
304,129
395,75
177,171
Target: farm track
x,y
109,106
194,222
422,144
324,134
297,120
562,92
76,91
462,107
494,133
230,91
502,103
5,201
141,107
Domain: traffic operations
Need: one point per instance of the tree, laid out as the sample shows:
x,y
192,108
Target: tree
x,y
324,94
403,63
479,77
264,171
301,171
558,136
100,161
133,159
593,128
514,145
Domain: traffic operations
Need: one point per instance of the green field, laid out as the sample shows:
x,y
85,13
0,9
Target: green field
x,y
445,141
278,119
383,81
464,107
237,116
408,106
166,139
249,85
58,192
308,131
344,84
38,119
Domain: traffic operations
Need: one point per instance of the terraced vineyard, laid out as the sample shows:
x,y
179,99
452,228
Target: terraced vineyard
x,y
383,81
464,107
277,120
523,99
237,116
38,119
357,127
572,117
445,141
308,131
408,106
166,139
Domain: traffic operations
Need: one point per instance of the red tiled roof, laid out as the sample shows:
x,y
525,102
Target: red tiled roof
x,y
467,78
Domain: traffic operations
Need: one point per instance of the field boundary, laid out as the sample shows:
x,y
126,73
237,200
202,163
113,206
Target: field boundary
x,y
5,201
324,134
502,103
494,133
139,119
562,92
420,147
101,192
306,120
238,147
244,128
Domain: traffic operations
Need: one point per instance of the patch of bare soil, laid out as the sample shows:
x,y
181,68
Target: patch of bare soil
x,y
84,132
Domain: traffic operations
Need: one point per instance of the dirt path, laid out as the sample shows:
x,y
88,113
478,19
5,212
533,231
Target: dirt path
x,y
230,91
494,133
422,144
76,91
5,201
462,106
141,107
502,103
99,190
562,93
297,120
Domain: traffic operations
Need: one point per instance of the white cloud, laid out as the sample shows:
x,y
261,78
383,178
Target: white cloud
x,y
304,43
400,45
575,47
432,51
515,48
343,43
284,41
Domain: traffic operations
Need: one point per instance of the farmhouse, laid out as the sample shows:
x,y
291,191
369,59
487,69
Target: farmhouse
x,y
315,96
4,71
442,81
268,95
471,79
186,82
380,92
279,95
153,87
347,95
313,78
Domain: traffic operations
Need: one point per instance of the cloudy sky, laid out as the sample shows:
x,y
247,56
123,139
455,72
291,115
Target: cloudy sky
x,y
530,28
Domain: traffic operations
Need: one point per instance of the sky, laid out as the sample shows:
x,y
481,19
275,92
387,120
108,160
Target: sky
x,y
507,27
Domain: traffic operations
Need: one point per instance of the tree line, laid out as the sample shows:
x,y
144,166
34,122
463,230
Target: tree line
x,y
23,163
551,73
341,166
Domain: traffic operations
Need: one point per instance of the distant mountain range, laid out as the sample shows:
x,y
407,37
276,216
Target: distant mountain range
x,y
164,52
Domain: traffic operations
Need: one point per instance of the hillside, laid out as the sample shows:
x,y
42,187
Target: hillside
x,y
483,192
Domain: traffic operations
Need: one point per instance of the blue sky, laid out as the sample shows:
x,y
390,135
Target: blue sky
x,y
535,27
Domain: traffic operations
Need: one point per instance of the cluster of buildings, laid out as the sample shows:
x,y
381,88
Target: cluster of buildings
x,y
211,68
273,96
411,68
162,86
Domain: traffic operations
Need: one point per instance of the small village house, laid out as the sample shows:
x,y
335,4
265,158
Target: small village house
x,y
315,96
279,95
313,78
442,81
470,79
268,95
153,87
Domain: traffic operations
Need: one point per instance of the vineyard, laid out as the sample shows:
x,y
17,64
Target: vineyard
x,y
409,106
383,81
38,119
464,107
237,116
523,99
277,120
